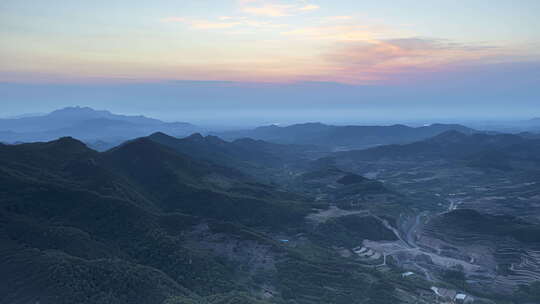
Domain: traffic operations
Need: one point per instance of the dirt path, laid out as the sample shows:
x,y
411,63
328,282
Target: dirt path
x,y
332,212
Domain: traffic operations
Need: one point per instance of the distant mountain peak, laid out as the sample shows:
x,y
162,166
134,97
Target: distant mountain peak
x,y
68,140
88,125
247,140
347,137
78,110
195,136
79,113
66,145
451,136
307,124
158,134
199,138
399,126
137,146
272,126
75,108
451,133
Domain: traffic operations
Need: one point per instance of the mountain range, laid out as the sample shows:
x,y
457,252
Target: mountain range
x,y
86,124
288,219
344,137
497,151
144,223
103,130
81,226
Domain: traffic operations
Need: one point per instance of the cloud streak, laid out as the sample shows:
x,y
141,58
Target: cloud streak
x,y
275,9
202,24
376,61
248,40
223,22
339,48
468,90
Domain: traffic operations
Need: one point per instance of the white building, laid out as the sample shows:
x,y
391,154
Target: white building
x,y
407,274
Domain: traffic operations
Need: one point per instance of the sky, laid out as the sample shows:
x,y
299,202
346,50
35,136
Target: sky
x,y
266,60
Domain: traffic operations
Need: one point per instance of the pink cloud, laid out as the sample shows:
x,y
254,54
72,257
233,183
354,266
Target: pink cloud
x,y
269,10
385,60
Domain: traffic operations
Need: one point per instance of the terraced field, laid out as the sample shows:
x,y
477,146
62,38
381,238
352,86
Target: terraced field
x,y
489,243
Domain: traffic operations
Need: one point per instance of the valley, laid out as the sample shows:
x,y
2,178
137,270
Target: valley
x,y
480,223
198,219
270,152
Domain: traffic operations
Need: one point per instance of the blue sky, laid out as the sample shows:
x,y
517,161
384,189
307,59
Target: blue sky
x,y
485,51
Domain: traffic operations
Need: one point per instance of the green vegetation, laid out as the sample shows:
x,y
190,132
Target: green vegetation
x,y
455,277
156,220
143,224
349,231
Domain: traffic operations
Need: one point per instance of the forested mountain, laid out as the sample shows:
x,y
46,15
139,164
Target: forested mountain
x,y
503,151
142,223
263,160
169,220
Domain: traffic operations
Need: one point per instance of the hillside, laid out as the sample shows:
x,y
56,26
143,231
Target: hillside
x,y
498,151
145,224
503,242
263,160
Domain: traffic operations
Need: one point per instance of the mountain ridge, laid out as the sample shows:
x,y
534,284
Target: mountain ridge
x,y
495,151
343,137
144,224
86,124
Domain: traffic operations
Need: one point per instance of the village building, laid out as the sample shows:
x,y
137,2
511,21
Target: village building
x,y
407,274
